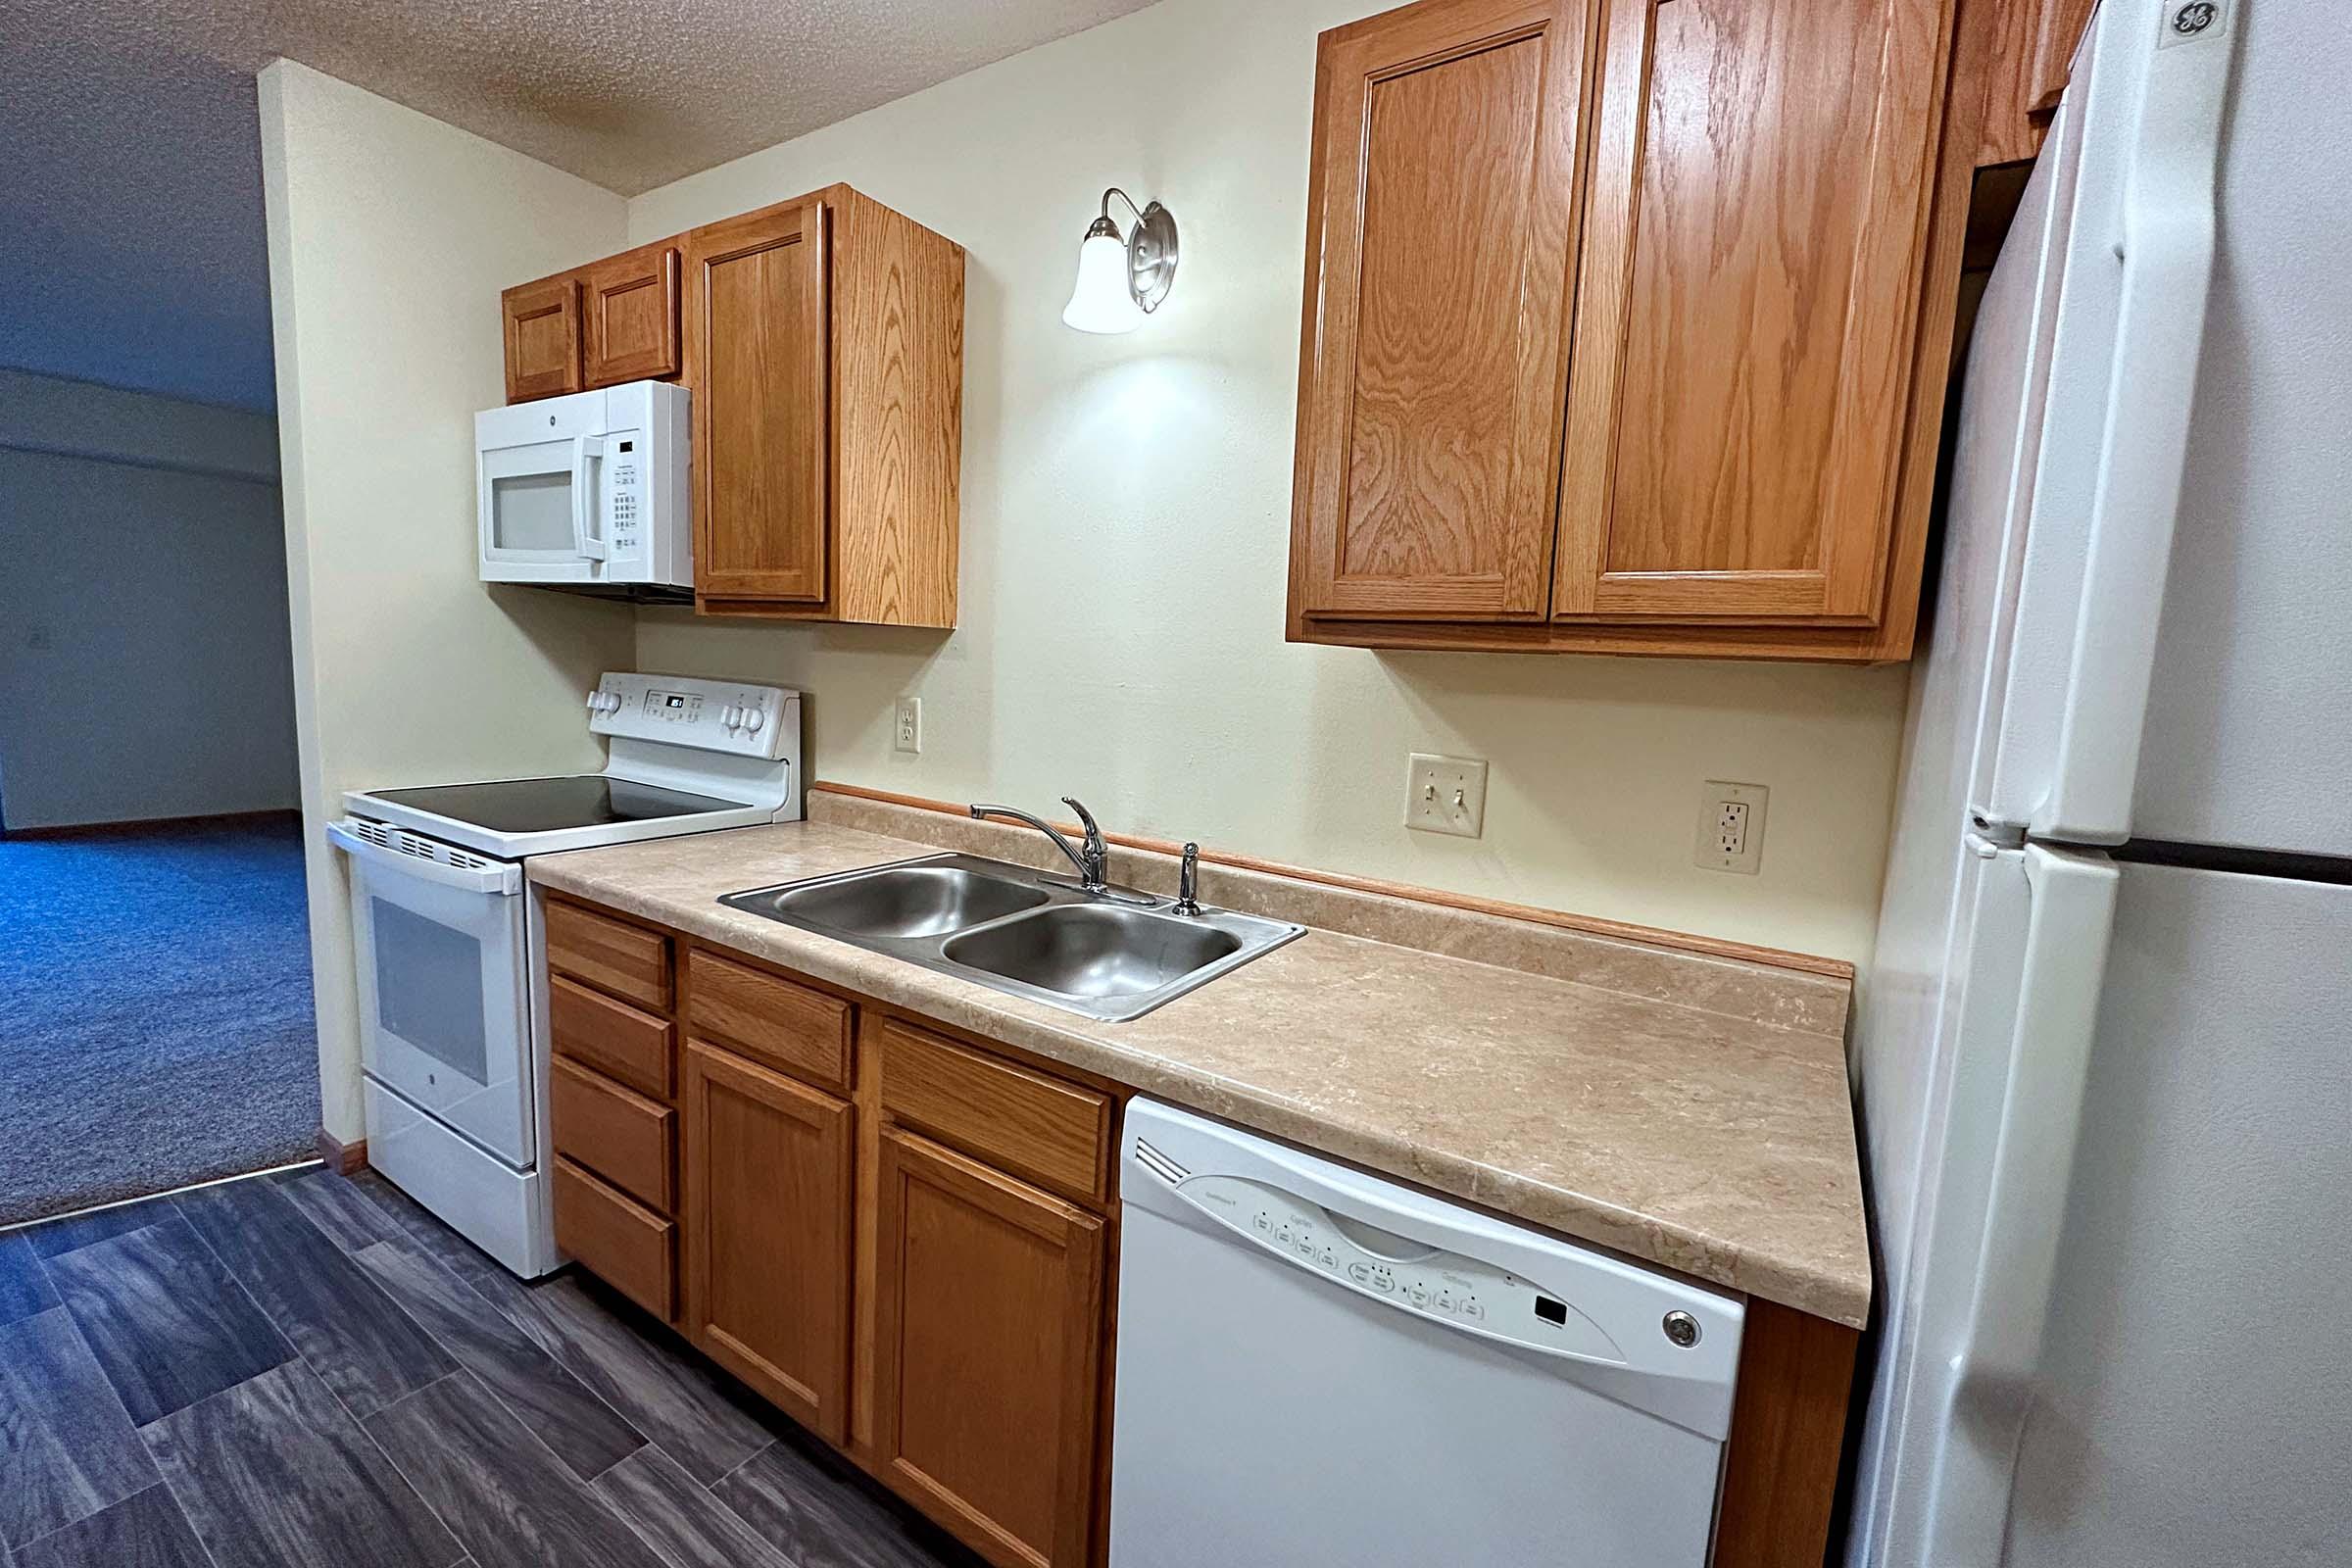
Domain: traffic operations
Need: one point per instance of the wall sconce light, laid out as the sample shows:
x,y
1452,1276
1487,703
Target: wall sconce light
x,y
1120,281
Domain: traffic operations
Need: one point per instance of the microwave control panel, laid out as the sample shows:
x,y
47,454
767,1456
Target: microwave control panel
x,y
624,490
712,715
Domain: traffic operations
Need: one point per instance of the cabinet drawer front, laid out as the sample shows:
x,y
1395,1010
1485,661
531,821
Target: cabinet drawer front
x,y
610,1036
785,1026
627,1246
1055,1134
623,1136
989,1347
627,961
769,1187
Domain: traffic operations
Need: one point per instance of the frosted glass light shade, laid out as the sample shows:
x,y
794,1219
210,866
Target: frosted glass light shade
x,y
1101,302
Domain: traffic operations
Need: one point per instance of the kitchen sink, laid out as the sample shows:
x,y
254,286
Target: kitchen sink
x,y
1110,955
900,901
1094,950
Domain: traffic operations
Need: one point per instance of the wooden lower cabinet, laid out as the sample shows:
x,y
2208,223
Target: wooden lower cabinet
x,y
990,1330
919,1267
769,1180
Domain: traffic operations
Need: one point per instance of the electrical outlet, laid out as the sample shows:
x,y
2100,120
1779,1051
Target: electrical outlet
x,y
1730,827
907,730
1446,795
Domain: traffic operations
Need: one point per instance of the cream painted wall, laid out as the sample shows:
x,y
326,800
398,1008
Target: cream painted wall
x,y
142,533
1125,523
390,236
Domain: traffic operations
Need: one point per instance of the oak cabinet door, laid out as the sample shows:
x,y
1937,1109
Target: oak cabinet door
x,y
987,1352
542,322
1441,217
630,302
768,1234
1759,193
759,322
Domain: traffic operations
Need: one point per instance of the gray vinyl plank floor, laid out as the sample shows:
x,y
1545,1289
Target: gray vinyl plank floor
x,y
307,1369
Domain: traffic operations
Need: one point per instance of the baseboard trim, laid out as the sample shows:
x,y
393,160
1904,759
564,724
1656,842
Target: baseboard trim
x,y
341,1158
100,830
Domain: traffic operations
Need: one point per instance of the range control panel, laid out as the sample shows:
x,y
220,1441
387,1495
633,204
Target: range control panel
x,y
710,715
1423,1280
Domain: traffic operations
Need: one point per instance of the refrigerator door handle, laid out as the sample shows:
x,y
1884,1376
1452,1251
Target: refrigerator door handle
x,y
2070,917
2167,247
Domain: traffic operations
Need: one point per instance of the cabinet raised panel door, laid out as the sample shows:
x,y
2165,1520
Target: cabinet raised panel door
x,y
542,322
1747,308
630,302
1440,240
756,362
768,1234
988,1352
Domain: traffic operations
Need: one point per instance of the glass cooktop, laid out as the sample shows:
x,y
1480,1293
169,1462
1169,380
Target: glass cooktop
x,y
548,804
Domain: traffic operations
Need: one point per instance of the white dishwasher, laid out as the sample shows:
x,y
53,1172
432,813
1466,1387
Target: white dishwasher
x,y
1318,1367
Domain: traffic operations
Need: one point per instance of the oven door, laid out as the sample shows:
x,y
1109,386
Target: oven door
x,y
444,983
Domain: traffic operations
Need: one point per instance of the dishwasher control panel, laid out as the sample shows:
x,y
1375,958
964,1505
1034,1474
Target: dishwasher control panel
x,y
1407,1275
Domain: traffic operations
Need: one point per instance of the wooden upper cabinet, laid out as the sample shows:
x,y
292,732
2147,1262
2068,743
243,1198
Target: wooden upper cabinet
x,y
542,321
2032,45
1615,320
1439,232
767,1233
757,362
1757,210
631,305
823,341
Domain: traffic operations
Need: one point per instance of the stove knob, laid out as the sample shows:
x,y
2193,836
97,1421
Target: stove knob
x,y
596,701
611,702
730,716
753,719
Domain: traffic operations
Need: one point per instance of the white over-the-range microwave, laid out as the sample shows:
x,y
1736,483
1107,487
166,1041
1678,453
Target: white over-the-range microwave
x,y
588,490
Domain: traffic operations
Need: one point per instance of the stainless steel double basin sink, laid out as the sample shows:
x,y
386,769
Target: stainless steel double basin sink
x,y
1110,955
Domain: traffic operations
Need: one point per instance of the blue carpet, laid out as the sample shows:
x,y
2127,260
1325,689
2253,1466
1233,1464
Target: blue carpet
x,y
155,1011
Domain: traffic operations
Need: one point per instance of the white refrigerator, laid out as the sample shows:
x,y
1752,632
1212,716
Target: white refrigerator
x,y
2104,1058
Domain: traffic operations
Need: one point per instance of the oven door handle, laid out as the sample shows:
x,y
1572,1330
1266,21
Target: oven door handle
x,y
498,879
587,544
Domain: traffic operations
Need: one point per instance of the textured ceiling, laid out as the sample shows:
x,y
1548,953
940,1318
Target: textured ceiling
x,y
130,210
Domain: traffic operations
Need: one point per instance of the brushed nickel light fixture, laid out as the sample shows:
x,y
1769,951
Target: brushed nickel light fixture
x,y
1123,280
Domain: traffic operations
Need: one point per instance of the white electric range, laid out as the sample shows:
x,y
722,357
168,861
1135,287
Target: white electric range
x,y
451,951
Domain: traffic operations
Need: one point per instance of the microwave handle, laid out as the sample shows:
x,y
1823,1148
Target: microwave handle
x,y
586,545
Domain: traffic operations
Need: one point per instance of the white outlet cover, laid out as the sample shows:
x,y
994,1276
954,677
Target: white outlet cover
x,y
1446,794
906,725
1730,827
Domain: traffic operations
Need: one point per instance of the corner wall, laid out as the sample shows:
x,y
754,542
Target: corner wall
x,y
144,669
390,236
1126,524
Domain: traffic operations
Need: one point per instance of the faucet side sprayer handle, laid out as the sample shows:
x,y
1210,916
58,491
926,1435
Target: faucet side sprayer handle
x,y
1188,882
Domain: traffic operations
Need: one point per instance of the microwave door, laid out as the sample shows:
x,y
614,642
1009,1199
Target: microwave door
x,y
541,512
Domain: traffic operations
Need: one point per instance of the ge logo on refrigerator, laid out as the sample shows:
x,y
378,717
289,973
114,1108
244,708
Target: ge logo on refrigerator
x,y
2194,18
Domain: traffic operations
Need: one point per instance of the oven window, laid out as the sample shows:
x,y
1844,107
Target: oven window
x,y
531,512
428,988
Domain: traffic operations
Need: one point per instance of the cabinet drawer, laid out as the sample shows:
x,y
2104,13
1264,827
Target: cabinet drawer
x,y
623,1136
1053,1133
781,1025
612,1037
627,1246
627,961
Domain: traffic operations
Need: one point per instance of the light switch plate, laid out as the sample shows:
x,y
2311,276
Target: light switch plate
x,y
1730,827
906,727
1446,795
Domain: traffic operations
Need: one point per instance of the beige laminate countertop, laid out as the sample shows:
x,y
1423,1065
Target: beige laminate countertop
x,y
1715,1145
